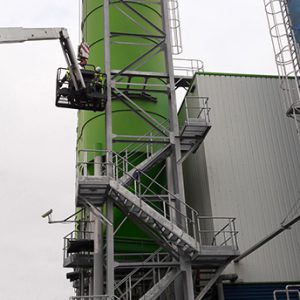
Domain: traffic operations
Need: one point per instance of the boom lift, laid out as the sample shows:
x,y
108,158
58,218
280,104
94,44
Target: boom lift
x,y
75,87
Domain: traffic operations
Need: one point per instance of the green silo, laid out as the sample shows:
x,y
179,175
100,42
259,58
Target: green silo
x,y
91,125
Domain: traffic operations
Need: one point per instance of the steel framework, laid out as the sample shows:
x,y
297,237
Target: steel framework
x,y
287,57
188,243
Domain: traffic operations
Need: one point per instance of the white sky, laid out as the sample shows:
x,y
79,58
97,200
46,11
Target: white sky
x,y
37,169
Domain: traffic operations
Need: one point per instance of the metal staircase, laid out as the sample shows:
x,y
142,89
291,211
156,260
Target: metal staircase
x,y
287,56
174,225
149,272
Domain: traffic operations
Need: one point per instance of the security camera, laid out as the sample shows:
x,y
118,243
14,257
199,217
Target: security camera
x,y
47,214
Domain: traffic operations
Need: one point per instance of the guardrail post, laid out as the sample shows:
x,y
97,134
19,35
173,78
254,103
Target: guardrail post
x,y
97,165
85,161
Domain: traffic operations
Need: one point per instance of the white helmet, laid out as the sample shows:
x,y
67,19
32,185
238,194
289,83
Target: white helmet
x,y
98,69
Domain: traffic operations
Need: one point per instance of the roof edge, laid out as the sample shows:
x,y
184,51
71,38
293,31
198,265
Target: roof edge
x,y
237,75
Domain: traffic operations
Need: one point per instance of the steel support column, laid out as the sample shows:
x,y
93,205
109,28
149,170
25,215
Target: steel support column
x,y
108,123
98,257
98,263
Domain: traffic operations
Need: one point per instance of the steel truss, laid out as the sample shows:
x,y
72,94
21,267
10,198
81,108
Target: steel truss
x,y
117,181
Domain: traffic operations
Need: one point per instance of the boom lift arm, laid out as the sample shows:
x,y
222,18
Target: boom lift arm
x,y
20,35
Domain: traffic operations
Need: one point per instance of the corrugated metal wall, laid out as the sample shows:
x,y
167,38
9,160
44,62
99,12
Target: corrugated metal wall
x,y
249,168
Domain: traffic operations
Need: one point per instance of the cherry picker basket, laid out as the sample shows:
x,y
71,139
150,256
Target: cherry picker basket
x,y
92,97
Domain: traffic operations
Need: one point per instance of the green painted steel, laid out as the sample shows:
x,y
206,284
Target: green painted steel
x,y
124,121
91,125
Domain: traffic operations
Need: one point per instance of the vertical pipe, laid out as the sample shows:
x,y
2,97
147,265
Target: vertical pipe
x,y
108,136
81,283
85,159
220,290
98,263
98,257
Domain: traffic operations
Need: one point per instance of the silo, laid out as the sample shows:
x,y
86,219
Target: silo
x,y
91,125
130,177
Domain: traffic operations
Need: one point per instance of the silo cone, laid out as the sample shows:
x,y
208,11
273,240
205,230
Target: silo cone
x,y
91,125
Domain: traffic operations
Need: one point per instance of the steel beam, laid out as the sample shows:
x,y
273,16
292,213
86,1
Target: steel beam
x,y
269,237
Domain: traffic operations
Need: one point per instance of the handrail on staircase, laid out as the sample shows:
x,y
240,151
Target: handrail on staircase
x,y
118,284
138,147
129,277
194,108
140,182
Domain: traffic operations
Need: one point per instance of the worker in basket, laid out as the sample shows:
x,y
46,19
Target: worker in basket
x,y
98,80
99,101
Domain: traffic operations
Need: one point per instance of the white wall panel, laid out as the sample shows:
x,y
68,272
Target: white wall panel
x,y
252,170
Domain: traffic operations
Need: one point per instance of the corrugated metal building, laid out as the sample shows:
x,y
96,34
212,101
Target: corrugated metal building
x,y
249,168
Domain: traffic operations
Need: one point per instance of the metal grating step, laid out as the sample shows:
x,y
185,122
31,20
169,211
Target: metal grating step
x,y
93,189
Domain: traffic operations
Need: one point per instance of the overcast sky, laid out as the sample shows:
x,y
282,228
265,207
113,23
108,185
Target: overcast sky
x,y
37,150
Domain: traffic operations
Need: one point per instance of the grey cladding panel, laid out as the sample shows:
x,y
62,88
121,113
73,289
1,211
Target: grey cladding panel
x,y
252,170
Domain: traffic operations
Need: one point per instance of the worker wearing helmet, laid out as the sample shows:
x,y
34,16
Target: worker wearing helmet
x,y
99,85
98,79
98,74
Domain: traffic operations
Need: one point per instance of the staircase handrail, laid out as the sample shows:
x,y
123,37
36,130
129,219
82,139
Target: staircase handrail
x,y
143,277
188,218
117,285
171,195
146,135
189,67
202,109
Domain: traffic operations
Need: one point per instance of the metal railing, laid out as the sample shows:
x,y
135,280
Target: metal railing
x,y
187,67
134,278
218,231
166,203
290,292
145,145
175,28
153,257
194,108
